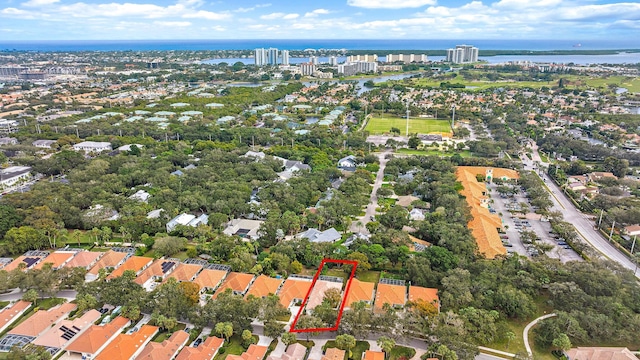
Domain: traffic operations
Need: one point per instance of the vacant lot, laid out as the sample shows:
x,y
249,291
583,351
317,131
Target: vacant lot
x,y
381,125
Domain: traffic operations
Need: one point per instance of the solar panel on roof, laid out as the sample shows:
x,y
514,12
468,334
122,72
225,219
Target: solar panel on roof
x,y
219,267
392,281
30,261
166,265
331,278
195,262
67,333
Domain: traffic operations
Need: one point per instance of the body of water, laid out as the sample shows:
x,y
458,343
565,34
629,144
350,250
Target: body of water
x,y
632,42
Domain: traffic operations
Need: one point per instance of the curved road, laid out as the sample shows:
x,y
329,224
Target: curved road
x,y
525,333
583,225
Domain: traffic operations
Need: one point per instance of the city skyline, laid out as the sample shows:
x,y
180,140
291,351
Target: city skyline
x,y
339,19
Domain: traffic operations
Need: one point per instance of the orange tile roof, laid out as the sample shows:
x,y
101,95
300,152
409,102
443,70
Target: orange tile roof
x,y
124,346
96,336
334,354
42,320
373,355
154,270
235,281
263,286
56,258
429,295
167,349
360,291
210,278
317,294
19,260
185,272
390,294
205,351
10,314
484,225
109,259
254,352
135,263
293,289
84,259
53,336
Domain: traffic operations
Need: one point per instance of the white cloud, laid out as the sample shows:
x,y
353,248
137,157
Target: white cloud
x,y
257,6
38,3
390,4
279,15
208,15
316,12
172,23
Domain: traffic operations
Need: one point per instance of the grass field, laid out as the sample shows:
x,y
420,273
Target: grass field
x,y
381,125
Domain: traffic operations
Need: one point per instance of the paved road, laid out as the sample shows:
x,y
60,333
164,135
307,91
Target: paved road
x,y
359,224
16,294
525,333
583,225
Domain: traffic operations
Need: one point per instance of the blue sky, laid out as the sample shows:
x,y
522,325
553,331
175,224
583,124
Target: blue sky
x,y
327,19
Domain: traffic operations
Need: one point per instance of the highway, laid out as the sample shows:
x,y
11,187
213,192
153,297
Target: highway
x,y
583,225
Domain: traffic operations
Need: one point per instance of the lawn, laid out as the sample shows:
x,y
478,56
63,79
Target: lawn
x,y
382,125
369,276
401,352
3,304
234,346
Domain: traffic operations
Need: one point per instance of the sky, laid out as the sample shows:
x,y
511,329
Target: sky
x,y
326,19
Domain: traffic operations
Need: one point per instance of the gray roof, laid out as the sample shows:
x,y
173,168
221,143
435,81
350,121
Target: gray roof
x,y
317,236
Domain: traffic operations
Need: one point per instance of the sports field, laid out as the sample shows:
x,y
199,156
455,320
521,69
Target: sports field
x,y
380,125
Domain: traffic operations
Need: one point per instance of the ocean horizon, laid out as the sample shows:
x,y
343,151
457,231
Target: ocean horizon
x,y
302,44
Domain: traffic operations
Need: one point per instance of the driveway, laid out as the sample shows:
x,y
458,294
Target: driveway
x,y
359,225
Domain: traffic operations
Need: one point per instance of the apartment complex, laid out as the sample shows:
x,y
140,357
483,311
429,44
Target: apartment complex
x,y
462,54
406,58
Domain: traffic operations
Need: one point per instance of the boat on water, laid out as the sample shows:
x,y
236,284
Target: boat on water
x,y
577,45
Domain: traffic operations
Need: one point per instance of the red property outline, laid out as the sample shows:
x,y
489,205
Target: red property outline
x,y
342,305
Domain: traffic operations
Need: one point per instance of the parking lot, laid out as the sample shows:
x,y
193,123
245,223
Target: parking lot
x,y
517,224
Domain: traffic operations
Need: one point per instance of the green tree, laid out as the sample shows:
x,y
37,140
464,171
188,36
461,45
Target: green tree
x,y
273,328
30,295
289,338
219,329
169,245
31,352
414,142
562,342
86,302
22,239
386,344
9,218
247,337
346,342
510,336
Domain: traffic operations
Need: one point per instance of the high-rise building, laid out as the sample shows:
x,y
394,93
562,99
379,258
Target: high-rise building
x,y
365,58
406,58
307,68
261,57
313,60
333,61
272,56
352,68
285,57
462,54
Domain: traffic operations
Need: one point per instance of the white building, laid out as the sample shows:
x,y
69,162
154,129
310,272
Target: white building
x,y
43,144
407,58
333,61
462,54
261,57
93,146
187,220
365,58
285,57
307,69
314,60
13,175
8,141
352,68
244,228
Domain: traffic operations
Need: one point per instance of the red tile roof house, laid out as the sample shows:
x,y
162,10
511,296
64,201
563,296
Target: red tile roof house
x,y
58,337
110,260
134,263
128,346
155,273
254,352
85,259
205,351
96,338
294,352
317,293
35,326
57,259
294,289
238,283
167,349
11,313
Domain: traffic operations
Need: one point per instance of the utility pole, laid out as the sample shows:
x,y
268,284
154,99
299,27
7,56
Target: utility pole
x,y
253,143
634,243
611,232
453,115
601,212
